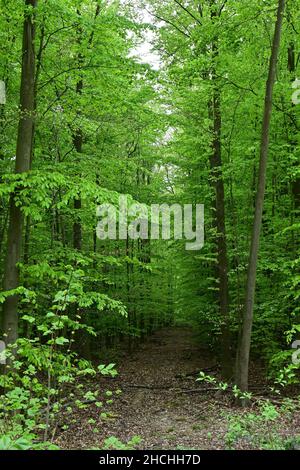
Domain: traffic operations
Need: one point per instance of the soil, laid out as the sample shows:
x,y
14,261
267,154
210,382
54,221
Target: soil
x,y
160,401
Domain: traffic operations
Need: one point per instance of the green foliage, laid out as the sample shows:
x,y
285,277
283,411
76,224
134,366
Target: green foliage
x,y
35,387
113,443
26,442
260,429
223,386
107,123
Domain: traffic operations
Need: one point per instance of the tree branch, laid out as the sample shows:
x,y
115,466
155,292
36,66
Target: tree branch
x,y
168,22
188,12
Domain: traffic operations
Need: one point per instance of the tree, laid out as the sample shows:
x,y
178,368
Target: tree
x,y
22,165
219,205
242,365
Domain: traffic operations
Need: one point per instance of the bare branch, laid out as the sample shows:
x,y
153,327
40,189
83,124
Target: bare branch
x,y
55,32
168,22
82,67
240,87
188,12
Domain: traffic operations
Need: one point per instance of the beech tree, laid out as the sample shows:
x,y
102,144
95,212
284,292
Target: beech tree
x,y
22,165
245,338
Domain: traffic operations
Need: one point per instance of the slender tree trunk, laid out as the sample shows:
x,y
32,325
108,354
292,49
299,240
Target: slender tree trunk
x,y
219,222
77,140
23,162
84,339
78,135
38,64
219,208
245,338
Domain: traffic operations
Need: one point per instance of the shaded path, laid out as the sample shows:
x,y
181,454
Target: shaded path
x,y
152,404
165,418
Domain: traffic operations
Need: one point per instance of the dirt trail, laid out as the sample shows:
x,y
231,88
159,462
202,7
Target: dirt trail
x,y
153,404
165,418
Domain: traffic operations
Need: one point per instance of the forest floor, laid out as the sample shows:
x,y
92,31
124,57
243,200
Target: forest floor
x,y
161,402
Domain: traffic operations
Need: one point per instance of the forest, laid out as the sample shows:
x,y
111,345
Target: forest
x,y
149,225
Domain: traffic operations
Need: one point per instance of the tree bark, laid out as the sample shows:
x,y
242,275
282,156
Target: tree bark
x,y
219,222
242,364
78,135
23,164
219,212
77,142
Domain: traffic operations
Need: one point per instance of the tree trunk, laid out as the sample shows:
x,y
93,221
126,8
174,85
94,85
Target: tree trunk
x,y
77,140
23,163
245,338
219,222
78,136
219,214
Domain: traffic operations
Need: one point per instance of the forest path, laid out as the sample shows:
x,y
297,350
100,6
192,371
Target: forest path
x,y
153,404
